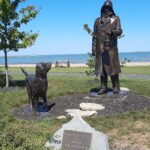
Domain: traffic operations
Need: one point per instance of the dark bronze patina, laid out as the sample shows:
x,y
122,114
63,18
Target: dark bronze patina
x,y
37,84
107,28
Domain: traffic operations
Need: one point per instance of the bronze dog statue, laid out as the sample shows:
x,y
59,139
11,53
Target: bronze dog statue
x,y
37,84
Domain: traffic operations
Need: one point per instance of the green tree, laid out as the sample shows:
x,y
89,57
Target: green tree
x,y
12,38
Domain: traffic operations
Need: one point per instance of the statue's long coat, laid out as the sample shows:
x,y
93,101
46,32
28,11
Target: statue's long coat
x,y
112,67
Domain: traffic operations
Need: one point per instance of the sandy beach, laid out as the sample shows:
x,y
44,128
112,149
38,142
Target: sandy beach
x,y
137,64
129,64
53,65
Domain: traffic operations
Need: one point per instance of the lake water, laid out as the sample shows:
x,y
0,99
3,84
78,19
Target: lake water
x,y
73,58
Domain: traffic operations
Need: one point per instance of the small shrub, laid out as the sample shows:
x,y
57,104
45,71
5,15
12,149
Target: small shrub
x,y
91,65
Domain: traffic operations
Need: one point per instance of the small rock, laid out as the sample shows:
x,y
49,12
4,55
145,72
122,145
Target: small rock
x,y
61,117
124,89
91,106
123,98
87,98
78,112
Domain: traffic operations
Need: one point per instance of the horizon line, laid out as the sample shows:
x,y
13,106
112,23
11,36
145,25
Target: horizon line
x,y
69,54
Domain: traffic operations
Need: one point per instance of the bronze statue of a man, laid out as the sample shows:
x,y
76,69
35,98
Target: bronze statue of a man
x,y
107,28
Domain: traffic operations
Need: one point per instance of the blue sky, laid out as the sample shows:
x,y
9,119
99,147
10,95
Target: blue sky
x,y
60,25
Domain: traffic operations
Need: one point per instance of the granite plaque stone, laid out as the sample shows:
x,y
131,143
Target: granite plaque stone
x,y
77,134
74,140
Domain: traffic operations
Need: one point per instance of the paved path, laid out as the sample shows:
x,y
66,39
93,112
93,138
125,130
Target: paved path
x,y
135,76
78,74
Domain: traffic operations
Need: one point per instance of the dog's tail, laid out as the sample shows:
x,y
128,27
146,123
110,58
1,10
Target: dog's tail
x,y
24,72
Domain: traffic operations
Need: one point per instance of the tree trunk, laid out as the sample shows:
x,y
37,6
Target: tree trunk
x,y
6,69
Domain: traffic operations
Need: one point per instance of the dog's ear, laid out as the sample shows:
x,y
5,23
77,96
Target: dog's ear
x,y
39,70
49,66
43,67
25,73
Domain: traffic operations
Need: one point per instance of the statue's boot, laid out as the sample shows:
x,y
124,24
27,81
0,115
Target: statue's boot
x,y
115,83
103,89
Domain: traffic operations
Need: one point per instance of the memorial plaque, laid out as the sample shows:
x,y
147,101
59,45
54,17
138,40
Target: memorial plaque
x,y
74,140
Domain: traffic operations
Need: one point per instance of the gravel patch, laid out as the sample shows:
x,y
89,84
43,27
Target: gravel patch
x,y
114,105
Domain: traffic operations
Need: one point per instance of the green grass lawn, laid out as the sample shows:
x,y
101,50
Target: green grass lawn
x,y
136,70
125,70
30,135
31,69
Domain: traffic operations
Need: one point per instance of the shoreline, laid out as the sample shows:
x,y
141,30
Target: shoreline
x,y
53,65
128,64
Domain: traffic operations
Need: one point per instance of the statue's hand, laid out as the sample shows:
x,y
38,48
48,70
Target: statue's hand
x,y
109,33
116,32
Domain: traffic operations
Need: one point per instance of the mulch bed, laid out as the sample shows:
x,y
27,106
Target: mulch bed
x,y
114,105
